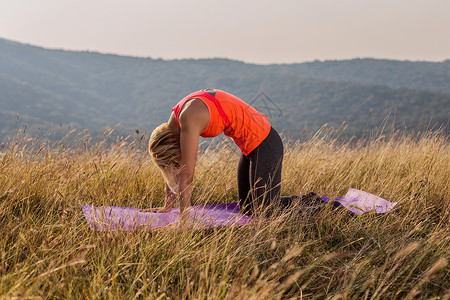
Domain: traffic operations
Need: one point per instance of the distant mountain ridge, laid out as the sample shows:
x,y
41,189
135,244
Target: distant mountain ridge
x,y
430,76
93,90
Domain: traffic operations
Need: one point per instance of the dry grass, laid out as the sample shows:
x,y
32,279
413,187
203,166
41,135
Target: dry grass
x,y
48,251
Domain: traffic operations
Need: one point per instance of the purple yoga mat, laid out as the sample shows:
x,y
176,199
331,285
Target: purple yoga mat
x,y
129,218
361,202
212,215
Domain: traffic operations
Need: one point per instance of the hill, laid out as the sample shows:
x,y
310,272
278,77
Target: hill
x,y
48,88
429,76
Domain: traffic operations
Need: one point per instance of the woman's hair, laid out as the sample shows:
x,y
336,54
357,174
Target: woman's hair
x,y
164,148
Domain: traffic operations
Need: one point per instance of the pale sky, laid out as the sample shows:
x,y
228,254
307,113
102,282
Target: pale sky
x,y
256,31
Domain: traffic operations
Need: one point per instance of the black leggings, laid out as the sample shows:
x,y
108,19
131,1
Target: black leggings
x,y
259,176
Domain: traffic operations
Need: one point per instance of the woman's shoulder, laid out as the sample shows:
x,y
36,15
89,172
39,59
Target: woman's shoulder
x,y
194,106
194,111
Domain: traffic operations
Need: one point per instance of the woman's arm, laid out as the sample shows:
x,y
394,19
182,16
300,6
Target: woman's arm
x,y
189,147
170,197
193,120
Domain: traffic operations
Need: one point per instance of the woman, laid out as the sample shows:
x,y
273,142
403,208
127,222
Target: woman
x,y
173,147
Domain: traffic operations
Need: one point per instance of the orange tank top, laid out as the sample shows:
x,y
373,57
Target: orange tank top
x,y
232,116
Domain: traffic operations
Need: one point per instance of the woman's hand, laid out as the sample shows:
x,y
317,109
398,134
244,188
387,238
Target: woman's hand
x,y
156,210
170,198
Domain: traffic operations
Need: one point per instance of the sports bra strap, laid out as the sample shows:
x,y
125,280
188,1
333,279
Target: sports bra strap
x,y
213,99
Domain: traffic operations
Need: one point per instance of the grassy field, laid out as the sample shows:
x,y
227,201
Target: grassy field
x,y
48,250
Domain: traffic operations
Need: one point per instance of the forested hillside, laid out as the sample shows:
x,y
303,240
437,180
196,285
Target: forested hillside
x,y
49,88
414,75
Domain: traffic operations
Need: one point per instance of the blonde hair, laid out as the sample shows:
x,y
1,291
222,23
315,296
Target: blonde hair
x,y
164,148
